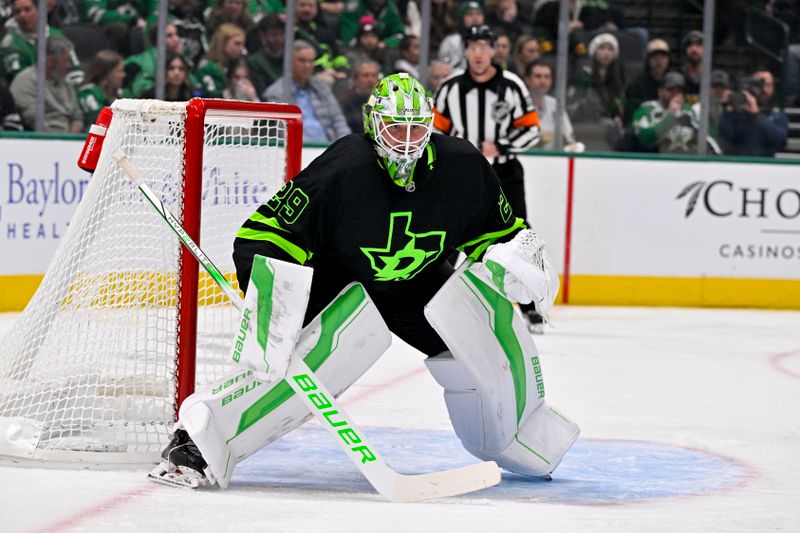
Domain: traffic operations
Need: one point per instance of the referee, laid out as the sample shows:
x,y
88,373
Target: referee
x,y
491,108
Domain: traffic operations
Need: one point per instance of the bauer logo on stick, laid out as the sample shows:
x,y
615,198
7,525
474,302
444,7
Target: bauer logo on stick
x,y
334,418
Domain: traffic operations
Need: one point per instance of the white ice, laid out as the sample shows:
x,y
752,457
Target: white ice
x,y
690,422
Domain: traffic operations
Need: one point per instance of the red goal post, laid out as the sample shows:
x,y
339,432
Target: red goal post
x,y
198,110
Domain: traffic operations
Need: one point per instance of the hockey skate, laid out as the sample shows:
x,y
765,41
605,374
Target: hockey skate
x,y
181,464
534,320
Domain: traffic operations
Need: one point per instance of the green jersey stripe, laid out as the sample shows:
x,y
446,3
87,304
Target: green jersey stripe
x,y
475,248
298,254
272,222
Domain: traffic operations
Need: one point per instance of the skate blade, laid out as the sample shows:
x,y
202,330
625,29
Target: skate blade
x,y
536,329
174,478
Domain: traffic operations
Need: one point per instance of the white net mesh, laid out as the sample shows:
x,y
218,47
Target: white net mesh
x,y
90,366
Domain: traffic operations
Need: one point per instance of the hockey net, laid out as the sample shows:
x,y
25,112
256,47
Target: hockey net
x,y
123,325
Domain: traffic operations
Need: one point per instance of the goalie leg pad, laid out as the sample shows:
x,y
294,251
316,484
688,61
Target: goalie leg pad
x,y
237,416
492,378
272,316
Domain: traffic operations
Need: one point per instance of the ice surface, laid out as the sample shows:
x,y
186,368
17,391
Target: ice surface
x,y
690,420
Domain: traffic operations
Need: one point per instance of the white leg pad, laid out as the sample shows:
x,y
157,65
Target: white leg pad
x,y
493,379
463,403
235,417
272,317
541,443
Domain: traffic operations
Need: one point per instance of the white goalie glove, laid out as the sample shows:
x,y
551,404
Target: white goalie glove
x,y
522,271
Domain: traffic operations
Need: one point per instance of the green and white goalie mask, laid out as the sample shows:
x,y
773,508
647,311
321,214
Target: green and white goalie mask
x,y
398,116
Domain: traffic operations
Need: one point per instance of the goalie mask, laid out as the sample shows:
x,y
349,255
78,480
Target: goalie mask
x,y
398,117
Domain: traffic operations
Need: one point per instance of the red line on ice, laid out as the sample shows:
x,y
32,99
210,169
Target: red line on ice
x,y
369,390
125,497
100,508
777,359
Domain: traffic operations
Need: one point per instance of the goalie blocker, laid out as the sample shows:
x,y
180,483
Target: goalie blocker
x,y
492,378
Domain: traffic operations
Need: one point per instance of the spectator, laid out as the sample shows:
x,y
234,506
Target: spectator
x,y
331,12
669,123
645,87
438,71
545,20
692,65
266,65
443,21
502,49
368,44
748,125
140,69
178,86
234,12
323,120
332,65
366,75
599,15
503,16
539,79
411,16
62,114
18,46
102,85
187,16
595,99
10,119
227,44
5,15
452,48
119,18
526,51
389,24
61,13
409,57
261,8
238,85
719,92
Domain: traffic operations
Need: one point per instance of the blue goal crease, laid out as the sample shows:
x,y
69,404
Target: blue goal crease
x,y
593,472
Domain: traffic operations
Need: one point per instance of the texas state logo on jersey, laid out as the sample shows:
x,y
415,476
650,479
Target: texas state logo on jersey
x,y
405,253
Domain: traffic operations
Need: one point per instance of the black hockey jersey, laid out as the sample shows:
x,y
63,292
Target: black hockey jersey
x,y
344,214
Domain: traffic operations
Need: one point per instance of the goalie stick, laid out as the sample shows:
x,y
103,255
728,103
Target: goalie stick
x,y
323,405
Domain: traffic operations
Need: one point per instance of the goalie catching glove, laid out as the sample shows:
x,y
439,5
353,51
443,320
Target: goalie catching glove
x,y
521,270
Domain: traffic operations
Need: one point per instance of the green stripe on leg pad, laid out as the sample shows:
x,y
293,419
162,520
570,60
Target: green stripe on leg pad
x,y
503,329
335,318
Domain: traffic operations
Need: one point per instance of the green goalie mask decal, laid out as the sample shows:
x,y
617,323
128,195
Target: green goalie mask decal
x,y
398,116
406,253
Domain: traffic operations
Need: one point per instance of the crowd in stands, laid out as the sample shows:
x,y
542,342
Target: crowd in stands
x,y
627,89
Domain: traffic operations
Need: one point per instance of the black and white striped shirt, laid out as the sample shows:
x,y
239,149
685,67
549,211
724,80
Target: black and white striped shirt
x,y
499,110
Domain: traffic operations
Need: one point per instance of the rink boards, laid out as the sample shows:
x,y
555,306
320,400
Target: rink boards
x,y
679,232
623,230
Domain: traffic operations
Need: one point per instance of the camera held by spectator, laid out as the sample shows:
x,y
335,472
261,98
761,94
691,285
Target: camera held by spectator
x,y
748,125
738,100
